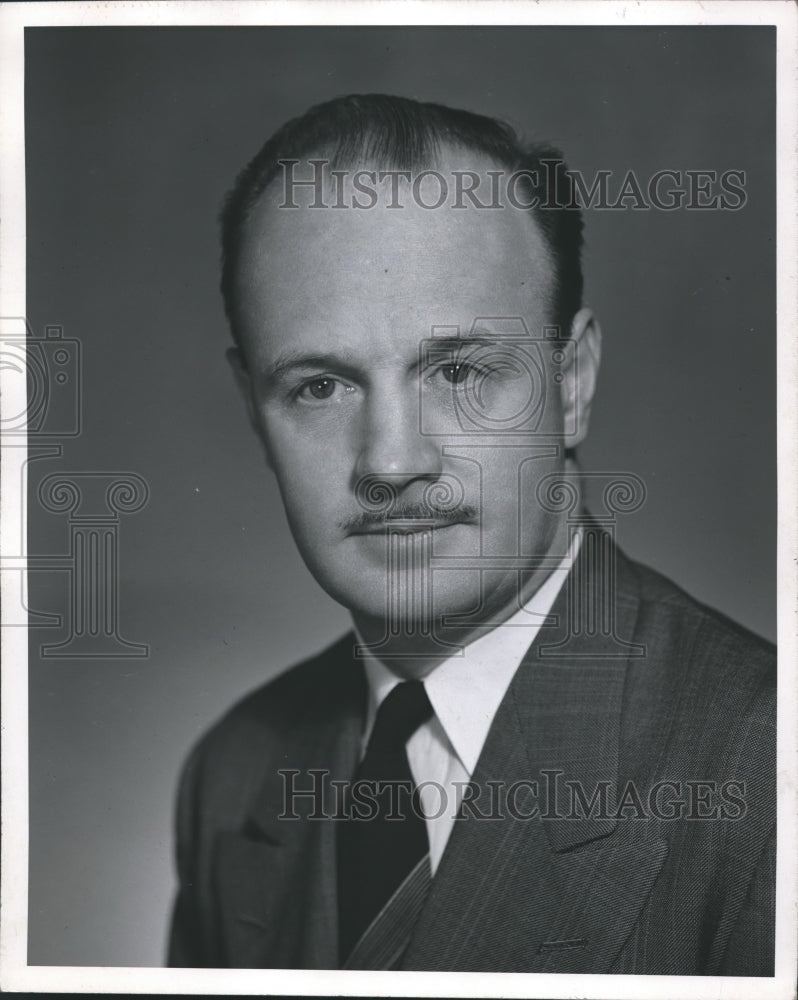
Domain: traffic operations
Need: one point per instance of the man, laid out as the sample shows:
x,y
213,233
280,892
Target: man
x,y
531,754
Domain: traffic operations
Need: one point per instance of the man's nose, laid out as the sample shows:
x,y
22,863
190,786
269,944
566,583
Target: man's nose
x,y
392,445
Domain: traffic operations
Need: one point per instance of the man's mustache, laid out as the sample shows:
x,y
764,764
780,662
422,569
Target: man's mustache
x,y
410,511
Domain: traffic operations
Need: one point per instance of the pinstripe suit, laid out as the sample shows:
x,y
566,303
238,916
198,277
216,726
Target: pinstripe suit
x,y
552,885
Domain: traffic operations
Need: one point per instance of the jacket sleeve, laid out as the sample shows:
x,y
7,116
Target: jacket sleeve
x,y
185,948
752,946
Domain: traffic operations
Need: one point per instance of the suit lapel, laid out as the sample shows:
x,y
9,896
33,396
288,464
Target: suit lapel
x,y
555,892
277,876
543,894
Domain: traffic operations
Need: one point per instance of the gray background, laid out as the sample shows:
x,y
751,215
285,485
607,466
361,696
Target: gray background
x,y
133,135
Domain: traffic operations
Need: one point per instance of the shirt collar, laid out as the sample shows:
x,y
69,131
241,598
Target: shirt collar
x,y
466,689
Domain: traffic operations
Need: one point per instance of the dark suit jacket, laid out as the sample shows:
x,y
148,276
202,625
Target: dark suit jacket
x,y
568,890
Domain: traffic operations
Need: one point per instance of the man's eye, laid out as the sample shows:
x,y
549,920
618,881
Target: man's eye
x,y
318,388
322,388
496,369
456,373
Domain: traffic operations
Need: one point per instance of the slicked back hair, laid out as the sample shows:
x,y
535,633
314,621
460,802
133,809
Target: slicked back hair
x,y
396,133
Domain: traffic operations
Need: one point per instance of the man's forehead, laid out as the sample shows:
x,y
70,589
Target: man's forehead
x,y
391,266
460,192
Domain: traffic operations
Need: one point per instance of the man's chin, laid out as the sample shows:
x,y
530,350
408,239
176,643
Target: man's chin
x,y
413,603
390,586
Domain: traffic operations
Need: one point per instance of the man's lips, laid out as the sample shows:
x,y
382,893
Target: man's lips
x,y
407,526
409,519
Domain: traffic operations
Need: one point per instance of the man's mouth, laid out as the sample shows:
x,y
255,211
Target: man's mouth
x,y
409,518
408,526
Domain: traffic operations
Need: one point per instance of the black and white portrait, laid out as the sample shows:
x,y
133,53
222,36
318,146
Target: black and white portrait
x,y
396,562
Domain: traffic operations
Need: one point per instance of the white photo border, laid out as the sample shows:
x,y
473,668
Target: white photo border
x,y
15,973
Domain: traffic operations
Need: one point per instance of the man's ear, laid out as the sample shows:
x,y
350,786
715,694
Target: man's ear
x,y
241,375
580,371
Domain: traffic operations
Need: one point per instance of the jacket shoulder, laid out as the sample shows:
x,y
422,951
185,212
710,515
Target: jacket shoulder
x,y
672,614
267,719
704,681
297,687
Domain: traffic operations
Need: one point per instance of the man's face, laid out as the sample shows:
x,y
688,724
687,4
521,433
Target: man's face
x,y
359,394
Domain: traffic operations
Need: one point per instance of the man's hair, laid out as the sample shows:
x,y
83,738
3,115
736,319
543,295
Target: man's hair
x,y
396,133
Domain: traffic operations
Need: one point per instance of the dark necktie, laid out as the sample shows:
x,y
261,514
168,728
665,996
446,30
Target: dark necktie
x,y
376,854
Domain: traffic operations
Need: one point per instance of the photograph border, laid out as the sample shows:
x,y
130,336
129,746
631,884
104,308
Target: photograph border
x,y
15,973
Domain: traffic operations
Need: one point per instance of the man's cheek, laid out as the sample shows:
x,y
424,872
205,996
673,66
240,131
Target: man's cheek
x,y
300,454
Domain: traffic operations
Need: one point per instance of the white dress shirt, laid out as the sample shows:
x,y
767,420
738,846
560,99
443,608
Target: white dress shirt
x,y
465,692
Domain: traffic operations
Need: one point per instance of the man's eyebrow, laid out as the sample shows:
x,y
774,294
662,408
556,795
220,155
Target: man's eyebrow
x,y
479,335
296,360
452,343
481,339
